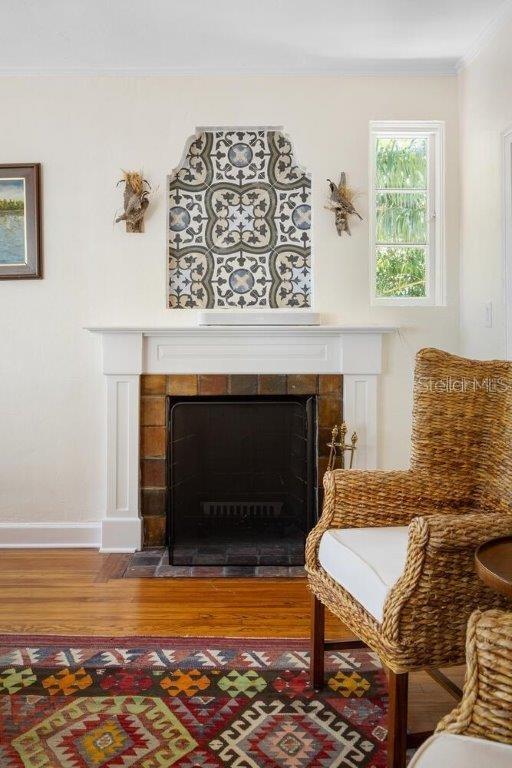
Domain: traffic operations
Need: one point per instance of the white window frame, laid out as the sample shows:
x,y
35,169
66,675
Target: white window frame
x,y
433,131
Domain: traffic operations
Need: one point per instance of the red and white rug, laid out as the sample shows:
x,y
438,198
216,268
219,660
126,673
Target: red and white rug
x,y
80,702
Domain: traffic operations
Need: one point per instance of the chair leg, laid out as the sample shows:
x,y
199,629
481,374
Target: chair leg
x,y
397,719
317,649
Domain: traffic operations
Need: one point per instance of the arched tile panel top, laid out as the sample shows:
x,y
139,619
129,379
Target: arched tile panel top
x,y
239,222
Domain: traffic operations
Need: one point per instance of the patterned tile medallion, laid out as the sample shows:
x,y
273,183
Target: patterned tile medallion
x,y
100,703
239,223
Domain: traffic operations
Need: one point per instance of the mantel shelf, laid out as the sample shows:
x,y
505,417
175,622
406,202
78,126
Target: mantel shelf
x,y
241,329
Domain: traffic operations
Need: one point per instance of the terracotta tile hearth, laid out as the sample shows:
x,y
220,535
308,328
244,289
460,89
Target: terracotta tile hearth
x,y
154,443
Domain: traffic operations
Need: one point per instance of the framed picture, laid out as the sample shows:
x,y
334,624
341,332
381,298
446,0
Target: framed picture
x,y
20,221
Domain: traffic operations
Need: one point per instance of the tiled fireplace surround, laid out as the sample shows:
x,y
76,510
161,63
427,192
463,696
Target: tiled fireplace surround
x,y
154,444
142,366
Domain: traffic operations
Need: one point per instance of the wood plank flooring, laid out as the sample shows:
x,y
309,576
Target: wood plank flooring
x,y
80,592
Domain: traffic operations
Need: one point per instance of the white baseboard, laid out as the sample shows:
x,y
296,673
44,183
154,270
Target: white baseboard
x,y
121,534
49,535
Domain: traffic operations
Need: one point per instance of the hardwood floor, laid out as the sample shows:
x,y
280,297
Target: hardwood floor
x,y
79,591
66,592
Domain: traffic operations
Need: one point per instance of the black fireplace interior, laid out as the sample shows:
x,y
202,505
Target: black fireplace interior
x,y
241,479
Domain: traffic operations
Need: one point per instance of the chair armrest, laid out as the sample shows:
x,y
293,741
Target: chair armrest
x,y
439,587
374,498
466,532
368,498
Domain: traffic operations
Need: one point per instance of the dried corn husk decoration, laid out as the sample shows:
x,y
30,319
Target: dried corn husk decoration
x,y
341,203
135,200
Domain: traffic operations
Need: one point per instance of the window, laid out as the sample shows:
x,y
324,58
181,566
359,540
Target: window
x,y
406,213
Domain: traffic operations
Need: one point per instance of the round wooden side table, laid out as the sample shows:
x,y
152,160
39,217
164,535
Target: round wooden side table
x,y
494,564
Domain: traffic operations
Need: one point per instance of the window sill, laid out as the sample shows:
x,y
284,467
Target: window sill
x,y
406,302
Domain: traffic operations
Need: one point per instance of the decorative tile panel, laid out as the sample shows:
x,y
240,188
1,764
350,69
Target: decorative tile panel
x,y
239,223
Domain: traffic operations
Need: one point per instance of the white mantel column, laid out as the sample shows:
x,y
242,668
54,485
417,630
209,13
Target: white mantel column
x,y
362,365
122,365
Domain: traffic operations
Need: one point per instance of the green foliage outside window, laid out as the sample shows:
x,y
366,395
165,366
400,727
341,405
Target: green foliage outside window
x,y
401,226
400,271
401,217
402,163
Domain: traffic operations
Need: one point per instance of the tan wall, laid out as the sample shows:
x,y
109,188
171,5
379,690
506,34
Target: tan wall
x,y
84,130
486,111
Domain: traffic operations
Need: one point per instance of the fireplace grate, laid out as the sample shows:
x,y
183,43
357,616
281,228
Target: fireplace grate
x,y
241,511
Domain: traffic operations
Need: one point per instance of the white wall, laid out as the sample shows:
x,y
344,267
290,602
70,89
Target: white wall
x,y
84,130
486,111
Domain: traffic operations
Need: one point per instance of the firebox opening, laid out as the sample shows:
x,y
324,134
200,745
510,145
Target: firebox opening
x,y
242,479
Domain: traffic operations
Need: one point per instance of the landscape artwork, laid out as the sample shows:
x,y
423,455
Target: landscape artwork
x,y
20,221
13,245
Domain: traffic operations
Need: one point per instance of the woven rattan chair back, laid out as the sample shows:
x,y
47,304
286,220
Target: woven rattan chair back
x,y
462,425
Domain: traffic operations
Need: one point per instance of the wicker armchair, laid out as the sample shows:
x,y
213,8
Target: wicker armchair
x,y
479,731
457,494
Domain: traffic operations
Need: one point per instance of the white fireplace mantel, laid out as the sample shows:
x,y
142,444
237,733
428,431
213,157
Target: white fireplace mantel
x,y
128,352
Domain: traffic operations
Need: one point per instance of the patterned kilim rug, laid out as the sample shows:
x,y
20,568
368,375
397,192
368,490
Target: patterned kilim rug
x,y
118,702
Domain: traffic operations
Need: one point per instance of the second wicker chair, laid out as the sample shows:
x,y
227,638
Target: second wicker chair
x,y
479,731
392,555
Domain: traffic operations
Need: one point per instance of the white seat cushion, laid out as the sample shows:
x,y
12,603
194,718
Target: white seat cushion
x,y
365,561
446,750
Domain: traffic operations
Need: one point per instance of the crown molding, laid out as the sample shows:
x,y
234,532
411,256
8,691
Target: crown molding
x,y
335,68
363,67
502,16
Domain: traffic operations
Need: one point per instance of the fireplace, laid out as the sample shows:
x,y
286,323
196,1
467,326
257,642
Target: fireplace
x,y
290,458
142,365
242,479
